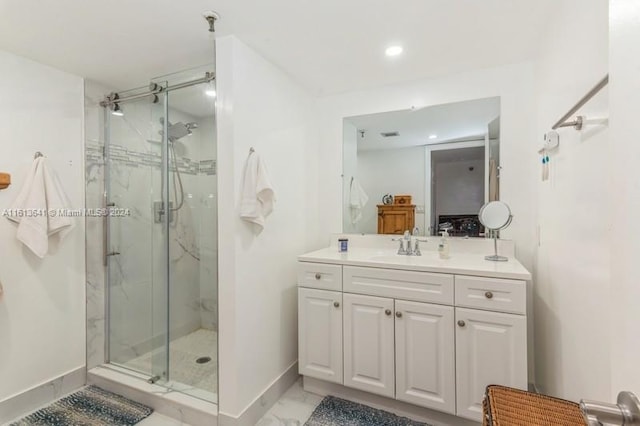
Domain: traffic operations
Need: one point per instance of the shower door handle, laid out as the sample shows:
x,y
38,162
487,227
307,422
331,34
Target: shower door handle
x,y
105,231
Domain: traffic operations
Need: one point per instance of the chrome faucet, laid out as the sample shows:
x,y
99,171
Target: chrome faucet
x,y
406,238
401,249
416,247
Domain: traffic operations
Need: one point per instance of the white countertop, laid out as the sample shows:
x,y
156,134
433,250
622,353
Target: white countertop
x,y
458,263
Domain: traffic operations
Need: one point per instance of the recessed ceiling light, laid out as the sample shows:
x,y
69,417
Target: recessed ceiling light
x,y
393,50
433,136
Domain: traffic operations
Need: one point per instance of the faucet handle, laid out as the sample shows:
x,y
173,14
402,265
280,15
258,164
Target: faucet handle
x,y
416,247
416,231
401,249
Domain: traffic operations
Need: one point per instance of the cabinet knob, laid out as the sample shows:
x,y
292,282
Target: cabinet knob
x,y
461,323
318,276
387,312
488,295
399,314
336,304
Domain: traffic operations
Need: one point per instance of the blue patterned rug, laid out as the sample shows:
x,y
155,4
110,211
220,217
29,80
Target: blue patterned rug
x,y
90,406
334,411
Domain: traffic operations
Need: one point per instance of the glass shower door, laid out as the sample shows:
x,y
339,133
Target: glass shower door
x,y
137,236
160,179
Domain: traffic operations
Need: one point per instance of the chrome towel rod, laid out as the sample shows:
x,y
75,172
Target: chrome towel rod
x,y
577,123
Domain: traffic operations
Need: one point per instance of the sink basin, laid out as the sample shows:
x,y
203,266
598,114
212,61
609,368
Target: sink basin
x,y
388,258
400,258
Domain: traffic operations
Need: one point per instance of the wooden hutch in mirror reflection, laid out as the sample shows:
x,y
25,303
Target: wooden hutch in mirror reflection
x,y
397,216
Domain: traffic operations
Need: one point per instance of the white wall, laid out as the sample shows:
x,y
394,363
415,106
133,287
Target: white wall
x,y
208,228
395,172
514,85
572,274
624,152
259,106
42,312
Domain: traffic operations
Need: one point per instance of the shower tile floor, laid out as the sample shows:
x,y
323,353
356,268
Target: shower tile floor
x,y
183,369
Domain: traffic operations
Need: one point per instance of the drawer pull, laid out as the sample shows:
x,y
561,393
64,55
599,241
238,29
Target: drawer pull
x,y
461,323
318,276
488,295
387,312
336,304
399,314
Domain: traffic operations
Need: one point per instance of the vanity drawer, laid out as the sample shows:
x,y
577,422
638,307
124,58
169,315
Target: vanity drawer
x,y
397,284
320,275
492,294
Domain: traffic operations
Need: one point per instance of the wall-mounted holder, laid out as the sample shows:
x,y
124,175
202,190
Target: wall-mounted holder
x,y
5,180
551,142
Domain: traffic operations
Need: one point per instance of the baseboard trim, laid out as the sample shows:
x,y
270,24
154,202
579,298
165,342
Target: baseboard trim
x,y
399,408
42,395
263,402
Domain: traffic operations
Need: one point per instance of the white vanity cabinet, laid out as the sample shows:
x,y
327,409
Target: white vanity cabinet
x,y
431,339
369,344
320,334
491,348
425,361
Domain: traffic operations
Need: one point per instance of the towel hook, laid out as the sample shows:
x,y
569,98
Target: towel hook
x,y
251,150
38,154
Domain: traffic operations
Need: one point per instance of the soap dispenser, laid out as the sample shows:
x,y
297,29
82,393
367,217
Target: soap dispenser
x,y
443,246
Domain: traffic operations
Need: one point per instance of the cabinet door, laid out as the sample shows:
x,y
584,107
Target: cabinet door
x,y
393,221
369,344
425,355
320,334
491,348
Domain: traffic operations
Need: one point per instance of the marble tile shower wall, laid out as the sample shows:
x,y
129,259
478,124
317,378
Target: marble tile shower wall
x,y
135,179
123,155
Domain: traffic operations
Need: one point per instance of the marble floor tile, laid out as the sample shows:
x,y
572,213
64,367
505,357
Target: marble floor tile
x,y
293,409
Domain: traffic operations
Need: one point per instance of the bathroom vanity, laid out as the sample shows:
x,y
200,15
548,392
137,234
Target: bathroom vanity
x,y
429,332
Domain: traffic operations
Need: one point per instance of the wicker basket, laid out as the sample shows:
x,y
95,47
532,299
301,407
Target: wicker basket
x,y
504,406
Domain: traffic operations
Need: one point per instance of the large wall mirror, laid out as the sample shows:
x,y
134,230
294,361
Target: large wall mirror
x,y
428,168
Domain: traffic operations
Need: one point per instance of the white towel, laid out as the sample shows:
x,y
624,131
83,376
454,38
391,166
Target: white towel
x,y
258,196
41,193
357,200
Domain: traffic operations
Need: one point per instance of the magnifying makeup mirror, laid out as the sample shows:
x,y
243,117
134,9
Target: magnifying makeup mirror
x,y
495,216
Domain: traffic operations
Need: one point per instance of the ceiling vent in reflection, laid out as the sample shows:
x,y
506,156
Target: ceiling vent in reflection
x,y
389,134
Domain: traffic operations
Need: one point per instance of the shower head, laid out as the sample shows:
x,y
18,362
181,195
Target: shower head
x,y
177,131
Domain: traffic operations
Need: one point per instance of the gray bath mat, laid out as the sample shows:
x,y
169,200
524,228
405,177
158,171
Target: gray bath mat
x,y
90,406
334,411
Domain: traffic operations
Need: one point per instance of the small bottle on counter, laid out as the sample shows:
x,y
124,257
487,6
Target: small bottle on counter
x,y
443,246
343,245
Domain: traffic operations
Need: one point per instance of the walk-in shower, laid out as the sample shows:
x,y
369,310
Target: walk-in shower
x,y
161,260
